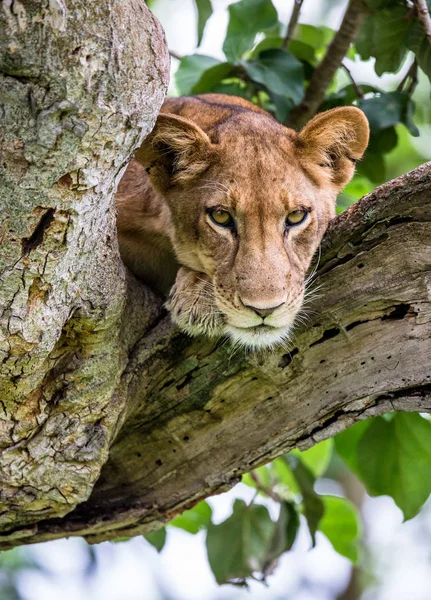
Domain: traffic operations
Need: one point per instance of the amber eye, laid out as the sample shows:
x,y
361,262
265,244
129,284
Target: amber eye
x,y
296,217
220,217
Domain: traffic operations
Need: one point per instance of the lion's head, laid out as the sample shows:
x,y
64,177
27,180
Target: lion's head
x,y
250,201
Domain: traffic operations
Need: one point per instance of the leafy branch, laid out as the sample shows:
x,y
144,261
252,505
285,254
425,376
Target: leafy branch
x,y
325,71
292,23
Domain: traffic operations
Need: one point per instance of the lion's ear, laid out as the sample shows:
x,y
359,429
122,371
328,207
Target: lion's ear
x,y
175,152
334,140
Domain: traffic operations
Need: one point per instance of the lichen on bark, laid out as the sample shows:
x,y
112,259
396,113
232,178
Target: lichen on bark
x,y
81,84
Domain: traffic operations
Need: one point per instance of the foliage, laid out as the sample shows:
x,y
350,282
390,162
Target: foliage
x,y
390,455
261,67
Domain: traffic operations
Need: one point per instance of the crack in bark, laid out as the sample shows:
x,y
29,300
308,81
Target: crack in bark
x,y
36,238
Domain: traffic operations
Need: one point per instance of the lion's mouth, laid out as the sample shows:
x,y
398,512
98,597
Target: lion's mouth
x,y
258,336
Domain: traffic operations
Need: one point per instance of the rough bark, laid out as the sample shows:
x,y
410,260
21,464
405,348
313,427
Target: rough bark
x,y
81,84
197,417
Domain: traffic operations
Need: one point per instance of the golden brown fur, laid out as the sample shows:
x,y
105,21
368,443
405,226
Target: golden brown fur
x,y
222,152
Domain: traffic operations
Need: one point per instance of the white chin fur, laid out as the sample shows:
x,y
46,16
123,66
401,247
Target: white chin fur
x,y
256,338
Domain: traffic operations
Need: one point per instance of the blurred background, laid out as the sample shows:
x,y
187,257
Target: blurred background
x,y
395,561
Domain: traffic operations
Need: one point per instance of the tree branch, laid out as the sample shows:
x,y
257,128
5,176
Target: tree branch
x,y
198,417
424,17
292,23
358,90
325,71
411,74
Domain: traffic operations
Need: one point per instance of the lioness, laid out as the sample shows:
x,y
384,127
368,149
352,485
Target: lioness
x,y
223,208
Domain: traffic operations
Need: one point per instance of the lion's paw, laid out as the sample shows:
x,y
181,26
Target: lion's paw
x,y
192,304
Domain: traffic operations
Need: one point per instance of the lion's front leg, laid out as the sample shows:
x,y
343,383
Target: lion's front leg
x,y
192,304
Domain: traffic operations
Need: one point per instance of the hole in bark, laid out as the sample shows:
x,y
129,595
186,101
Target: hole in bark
x,y
329,333
399,312
76,50
30,243
186,438
286,359
187,380
322,361
159,462
354,324
65,181
167,384
361,266
399,220
138,454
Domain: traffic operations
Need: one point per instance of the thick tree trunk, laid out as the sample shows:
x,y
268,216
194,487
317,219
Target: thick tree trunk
x,y
196,417
81,84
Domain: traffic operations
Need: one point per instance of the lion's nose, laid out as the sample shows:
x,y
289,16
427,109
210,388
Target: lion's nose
x,y
264,312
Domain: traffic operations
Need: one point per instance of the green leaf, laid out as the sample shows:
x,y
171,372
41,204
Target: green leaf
x,y
232,88
238,546
383,110
205,10
279,71
316,37
282,105
408,118
394,459
246,19
383,141
372,166
303,51
312,503
346,96
418,43
157,538
195,519
346,443
284,534
190,70
383,35
285,476
212,77
317,458
266,44
341,525
364,40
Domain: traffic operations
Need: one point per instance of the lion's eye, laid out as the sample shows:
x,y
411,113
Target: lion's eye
x,y
296,217
221,217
